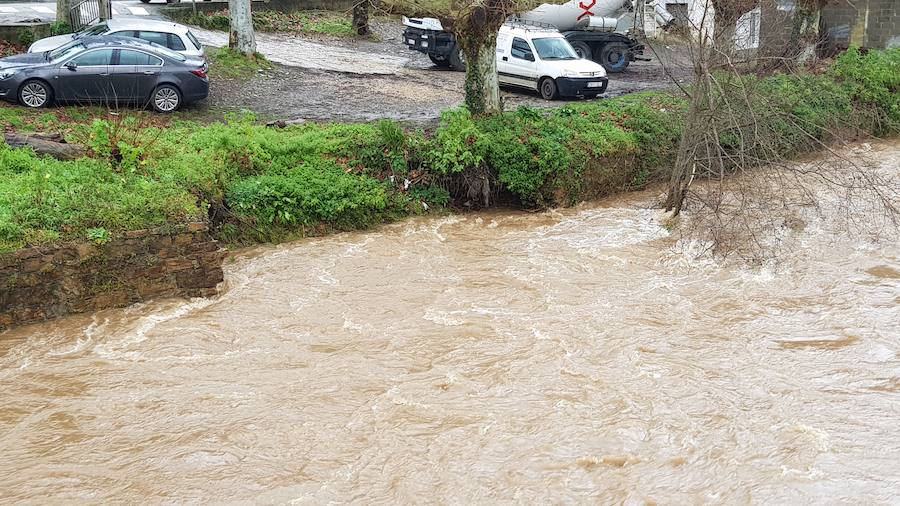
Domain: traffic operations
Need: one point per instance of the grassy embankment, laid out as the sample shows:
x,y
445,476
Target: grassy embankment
x,y
263,184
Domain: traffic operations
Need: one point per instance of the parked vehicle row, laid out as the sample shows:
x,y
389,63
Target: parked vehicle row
x,y
537,58
165,33
105,69
598,30
149,63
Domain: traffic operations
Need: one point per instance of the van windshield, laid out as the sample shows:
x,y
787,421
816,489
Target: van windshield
x,y
554,48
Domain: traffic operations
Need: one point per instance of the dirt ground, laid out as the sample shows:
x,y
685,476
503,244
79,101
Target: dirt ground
x,y
415,95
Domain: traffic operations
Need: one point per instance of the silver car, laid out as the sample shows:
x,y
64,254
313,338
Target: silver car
x,y
165,33
104,70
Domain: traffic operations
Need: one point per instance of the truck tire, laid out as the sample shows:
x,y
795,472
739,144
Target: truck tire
x,y
614,57
444,63
548,89
457,59
583,49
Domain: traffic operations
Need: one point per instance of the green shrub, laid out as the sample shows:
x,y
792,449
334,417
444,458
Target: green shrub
x,y
26,38
307,196
873,79
46,197
60,28
458,144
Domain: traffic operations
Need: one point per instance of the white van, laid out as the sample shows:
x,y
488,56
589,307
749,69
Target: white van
x,y
541,59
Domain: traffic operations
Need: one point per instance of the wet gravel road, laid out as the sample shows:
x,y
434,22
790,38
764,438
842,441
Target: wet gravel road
x,y
416,94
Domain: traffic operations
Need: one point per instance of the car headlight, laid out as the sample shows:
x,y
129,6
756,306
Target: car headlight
x,y
6,74
569,73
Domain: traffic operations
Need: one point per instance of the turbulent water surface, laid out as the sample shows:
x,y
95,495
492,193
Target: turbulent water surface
x,y
576,356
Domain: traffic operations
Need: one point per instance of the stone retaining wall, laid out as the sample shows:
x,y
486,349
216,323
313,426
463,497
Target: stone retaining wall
x,y
39,283
269,5
24,33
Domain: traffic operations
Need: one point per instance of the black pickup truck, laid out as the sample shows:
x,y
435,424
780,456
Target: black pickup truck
x,y
615,51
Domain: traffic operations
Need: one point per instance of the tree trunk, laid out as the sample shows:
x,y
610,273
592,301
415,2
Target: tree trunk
x,y
805,36
241,38
699,131
692,139
361,17
62,12
104,9
482,85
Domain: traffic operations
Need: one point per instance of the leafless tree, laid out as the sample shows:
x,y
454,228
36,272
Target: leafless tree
x,y
733,168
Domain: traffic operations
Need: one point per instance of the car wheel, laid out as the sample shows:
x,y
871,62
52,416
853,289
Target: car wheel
x,y
614,57
166,99
548,89
35,94
457,59
583,50
145,1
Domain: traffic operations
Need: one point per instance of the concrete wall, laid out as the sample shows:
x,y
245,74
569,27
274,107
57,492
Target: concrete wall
x,y
274,5
869,23
20,33
39,283
333,5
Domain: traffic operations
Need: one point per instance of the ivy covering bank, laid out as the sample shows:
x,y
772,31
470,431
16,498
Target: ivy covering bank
x,y
256,183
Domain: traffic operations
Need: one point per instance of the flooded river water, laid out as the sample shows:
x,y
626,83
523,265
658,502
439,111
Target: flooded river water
x,y
563,357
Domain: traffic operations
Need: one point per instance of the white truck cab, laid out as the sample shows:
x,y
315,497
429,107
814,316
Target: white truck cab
x,y
541,59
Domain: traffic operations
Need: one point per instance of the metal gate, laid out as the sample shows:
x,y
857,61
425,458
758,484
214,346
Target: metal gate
x,y
87,12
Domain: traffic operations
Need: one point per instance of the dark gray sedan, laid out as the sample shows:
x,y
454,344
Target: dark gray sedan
x,y
104,70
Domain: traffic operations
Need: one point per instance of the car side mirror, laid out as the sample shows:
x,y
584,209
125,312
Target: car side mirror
x,y
71,65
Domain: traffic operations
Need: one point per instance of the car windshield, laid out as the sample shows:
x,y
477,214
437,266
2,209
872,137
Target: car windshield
x,y
554,48
66,51
194,40
92,30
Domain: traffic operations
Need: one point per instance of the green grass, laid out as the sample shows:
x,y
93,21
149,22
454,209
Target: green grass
x,y
224,62
263,184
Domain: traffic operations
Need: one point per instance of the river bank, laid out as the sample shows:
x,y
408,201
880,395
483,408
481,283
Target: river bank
x,y
581,353
255,183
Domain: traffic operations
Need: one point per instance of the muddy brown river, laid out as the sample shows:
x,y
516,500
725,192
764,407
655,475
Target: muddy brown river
x,y
576,356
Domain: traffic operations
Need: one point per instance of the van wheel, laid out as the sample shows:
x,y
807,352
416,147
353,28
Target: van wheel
x,y
583,50
614,57
457,59
548,89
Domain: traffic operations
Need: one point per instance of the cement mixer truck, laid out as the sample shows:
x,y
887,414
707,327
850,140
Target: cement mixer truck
x,y
588,25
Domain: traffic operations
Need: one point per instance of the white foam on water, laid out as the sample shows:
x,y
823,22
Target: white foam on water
x,y
116,349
